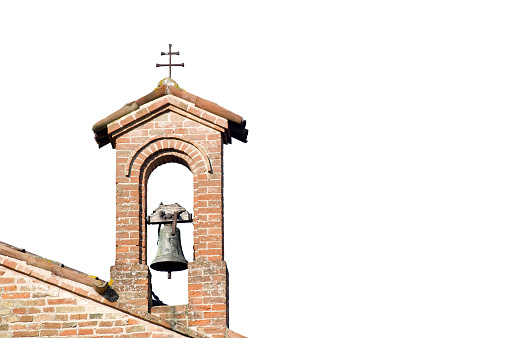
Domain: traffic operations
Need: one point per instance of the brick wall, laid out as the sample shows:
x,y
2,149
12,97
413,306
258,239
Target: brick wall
x,y
172,135
37,301
30,307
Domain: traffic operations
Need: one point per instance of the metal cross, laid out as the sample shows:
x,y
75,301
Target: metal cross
x,y
170,53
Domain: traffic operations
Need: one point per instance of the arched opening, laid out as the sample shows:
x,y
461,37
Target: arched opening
x,y
170,183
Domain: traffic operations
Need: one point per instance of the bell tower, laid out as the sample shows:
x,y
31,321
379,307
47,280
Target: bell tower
x,y
172,125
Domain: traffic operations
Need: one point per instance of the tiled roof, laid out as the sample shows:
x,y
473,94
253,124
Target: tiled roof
x,y
235,127
55,267
63,277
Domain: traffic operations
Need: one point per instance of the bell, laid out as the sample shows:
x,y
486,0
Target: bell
x,y
169,256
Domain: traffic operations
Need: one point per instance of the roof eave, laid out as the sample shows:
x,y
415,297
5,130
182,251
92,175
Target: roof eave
x,y
235,122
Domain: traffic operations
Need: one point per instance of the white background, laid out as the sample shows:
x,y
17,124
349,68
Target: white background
x,y
371,199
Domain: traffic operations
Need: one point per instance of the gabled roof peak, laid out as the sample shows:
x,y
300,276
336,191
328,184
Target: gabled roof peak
x,y
235,126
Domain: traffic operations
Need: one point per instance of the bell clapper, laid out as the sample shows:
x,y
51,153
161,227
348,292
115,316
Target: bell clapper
x,y
169,274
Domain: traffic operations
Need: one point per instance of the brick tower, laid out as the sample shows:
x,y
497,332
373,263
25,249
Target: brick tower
x,y
171,125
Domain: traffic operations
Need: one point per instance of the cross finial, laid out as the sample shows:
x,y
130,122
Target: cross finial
x,y
170,53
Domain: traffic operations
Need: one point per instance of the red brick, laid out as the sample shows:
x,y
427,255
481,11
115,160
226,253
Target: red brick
x,y
201,322
194,287
212,217
128,241
214,258
210,330
121,140
38,275
26,319
122,235
56,317
120,322
15,295
214,245
216,210
219,307
138,132
195,293
215,314
88,323
33,302
10,288
78,316
58,301
213,190
211,252
34,326
106,323
133,321
25,333
32,310
85,331
17,326
209,196
108,330
10,264
204,307
219,278
52,325
137,328
81,291
213,232
127,120
121,249
19,311
70,332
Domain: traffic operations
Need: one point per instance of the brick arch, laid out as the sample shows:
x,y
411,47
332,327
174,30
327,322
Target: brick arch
x,y
152,162
166,156
180,143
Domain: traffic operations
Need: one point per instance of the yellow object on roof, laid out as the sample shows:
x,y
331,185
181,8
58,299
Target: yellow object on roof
x,y
168,82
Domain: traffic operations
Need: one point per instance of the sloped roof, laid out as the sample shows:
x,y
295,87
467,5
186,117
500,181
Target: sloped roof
x,y
235,127
11,256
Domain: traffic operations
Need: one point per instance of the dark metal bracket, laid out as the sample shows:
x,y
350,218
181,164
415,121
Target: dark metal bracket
x,y
174,224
